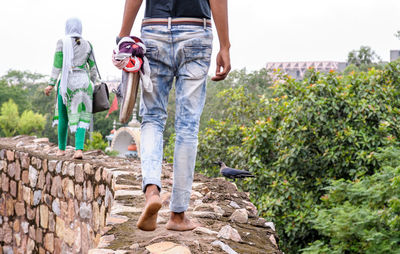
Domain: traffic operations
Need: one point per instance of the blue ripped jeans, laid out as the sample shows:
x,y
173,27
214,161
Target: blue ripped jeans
x,y
183,52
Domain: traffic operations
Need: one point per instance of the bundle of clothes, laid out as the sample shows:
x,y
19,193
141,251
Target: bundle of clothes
x,y
129,56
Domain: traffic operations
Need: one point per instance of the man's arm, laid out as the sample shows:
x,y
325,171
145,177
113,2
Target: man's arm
x,y
131,9
219,9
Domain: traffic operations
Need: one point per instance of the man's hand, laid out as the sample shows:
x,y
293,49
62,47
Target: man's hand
x,y
219,9
47,90
224,62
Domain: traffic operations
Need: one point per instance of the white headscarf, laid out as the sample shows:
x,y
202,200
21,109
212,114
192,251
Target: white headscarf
x,y
73,28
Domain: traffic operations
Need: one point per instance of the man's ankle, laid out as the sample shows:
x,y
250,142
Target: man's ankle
x,y
152,190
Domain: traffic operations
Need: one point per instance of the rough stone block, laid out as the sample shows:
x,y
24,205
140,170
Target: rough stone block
x,y
85,210
11,169
10,155
25,227
71,211
96,192
16,225
56,207
13,188
17,240
102,190
41,180
64,208
30,213
88,169
3,165
52,222
85,238
44,216
17,175
33,176
52,165
69,236
7,233
229,233
32,232
25,177
48,182
2,205
102,216
30,246
10,206
25,160
79,176
44,165
78,237
56,188
38,163
240,216
89,191
104,174
49,242
78,192
20,196
39,235
5,184
37,217
97,176
59,167
48,199
2,154
96,218
57,245
60,227
41,250
20,208
37,197
26,194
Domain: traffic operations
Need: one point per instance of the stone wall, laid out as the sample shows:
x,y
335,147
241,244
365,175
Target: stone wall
x,y
50,204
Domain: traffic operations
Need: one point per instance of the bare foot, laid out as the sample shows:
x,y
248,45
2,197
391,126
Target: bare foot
x,y
60,152
180,222
78,155
148,219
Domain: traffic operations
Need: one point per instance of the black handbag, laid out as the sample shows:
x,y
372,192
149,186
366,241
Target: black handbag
x,y
100,95
100,98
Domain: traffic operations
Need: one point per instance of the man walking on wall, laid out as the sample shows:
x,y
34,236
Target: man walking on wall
x,y
178,38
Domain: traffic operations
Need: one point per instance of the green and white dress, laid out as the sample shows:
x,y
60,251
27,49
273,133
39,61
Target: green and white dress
x,y
81,80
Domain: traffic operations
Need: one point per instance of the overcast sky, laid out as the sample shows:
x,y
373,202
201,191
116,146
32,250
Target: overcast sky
x,y
260,30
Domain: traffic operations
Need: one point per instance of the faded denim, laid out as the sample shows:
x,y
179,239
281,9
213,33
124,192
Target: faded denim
x,y
183,52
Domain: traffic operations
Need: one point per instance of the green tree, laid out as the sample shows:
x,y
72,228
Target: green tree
x,y
364,57
9,118
31,123
361,216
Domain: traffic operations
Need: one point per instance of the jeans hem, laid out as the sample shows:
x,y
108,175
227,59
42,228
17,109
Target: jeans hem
x,y
148,181
178,209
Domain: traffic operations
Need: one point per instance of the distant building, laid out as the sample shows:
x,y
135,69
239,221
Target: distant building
x,y
394,55
297,69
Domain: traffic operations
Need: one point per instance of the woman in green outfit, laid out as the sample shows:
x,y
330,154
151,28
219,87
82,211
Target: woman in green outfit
x,y
74,69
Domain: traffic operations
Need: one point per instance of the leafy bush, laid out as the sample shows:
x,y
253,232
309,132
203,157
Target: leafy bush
x,y
362,216
9,118
328,126
96,143
29,123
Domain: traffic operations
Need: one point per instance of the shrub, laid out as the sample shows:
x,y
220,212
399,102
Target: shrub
x,y
328,126
96,143
361,216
